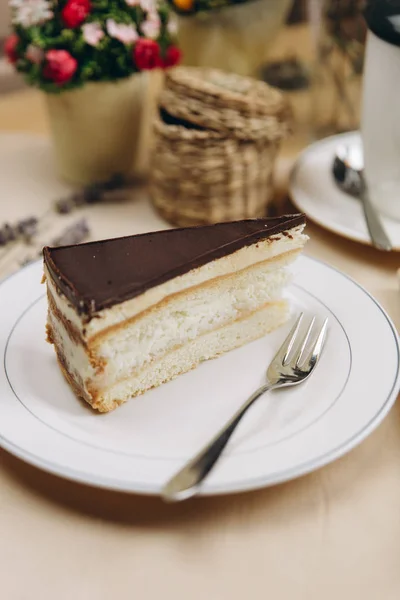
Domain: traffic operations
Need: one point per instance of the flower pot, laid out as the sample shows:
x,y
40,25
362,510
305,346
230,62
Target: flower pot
x,y
99,130
234,38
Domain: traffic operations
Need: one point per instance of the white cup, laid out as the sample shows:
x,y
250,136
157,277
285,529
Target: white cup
x,y
380,126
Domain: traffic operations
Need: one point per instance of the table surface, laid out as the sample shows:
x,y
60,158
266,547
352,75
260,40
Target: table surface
x,y
334,533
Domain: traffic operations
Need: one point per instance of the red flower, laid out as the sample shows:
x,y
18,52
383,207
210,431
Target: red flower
x,y
10,48
60,66
75,12
146,54
172,57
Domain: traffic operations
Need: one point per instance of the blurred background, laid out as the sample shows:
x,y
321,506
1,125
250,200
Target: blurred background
x,y
311,49
8,80
291,12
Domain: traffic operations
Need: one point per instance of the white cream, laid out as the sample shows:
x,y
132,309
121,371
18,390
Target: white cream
x,y
186,318
75,355
166,327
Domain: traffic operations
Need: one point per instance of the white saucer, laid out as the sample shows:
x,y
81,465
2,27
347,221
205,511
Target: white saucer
x,y
314,192
141,444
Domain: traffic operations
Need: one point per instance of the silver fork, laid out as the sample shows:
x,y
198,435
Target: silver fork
x,y
291,365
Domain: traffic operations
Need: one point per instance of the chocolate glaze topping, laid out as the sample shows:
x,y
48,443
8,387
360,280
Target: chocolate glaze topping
x,y
98,275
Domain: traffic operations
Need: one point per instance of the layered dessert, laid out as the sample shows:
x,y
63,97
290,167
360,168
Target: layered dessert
x,y
128,314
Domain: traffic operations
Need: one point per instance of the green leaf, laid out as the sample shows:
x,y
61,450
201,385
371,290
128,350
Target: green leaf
x,y
67,35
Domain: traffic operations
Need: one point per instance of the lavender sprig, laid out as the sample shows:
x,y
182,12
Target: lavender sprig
x,y
24,230
74,234
29,230
91,194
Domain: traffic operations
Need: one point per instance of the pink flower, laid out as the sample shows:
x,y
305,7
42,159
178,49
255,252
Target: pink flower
x,y
10,48
172,26
147,5
60,66
172,57
151,27
127,34
92,33
146,55
34,54
75,12
31,12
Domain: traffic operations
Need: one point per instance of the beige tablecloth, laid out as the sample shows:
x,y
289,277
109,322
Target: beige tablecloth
x,y
332,534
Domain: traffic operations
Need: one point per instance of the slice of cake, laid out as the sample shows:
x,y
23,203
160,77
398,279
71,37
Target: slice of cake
x,y
128,314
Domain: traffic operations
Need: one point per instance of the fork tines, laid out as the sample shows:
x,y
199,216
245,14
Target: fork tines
x,y
298,350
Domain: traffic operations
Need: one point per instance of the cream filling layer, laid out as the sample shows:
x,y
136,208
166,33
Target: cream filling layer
x,y
75,356
189,356
239,260
171,325
185,318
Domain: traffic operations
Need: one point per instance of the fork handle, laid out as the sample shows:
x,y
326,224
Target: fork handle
x,y
186,482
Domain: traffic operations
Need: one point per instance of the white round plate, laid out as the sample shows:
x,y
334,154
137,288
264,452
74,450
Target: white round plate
x,y
140,445
314,192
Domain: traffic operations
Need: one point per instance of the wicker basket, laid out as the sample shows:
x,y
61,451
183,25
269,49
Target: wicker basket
x,y
215,144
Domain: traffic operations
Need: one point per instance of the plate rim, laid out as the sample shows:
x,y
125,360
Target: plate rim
x,y
257,483
347,233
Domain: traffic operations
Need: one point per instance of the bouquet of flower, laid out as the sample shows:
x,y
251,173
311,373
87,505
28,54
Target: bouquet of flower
x,y
62,44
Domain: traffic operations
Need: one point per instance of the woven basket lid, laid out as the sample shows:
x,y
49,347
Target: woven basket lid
x,y
226,102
